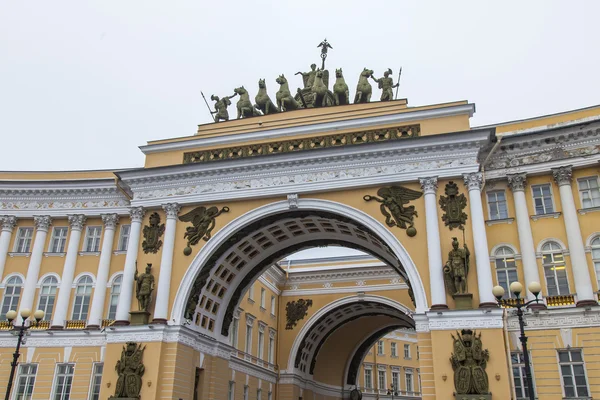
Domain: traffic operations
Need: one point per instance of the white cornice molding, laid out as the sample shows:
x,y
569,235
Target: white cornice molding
x,y
345,274
346,289
572,317
328,127
308,384
243,366
490,318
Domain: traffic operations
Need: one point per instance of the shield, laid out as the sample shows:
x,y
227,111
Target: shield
x,y
454,211
462,379
480,380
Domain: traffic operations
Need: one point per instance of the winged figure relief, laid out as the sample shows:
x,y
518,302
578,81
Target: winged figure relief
x,y
394,205
203,222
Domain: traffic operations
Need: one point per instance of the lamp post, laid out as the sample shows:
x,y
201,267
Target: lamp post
x,y
516,288
10,316
392,390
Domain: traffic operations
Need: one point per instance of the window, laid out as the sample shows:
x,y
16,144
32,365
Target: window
x,y
48,296
506,269
408,377
407,351
124,237
395,381
542,199
519,376
231,393
394,349
263,295
572,371
418,380
418,355
368,378
25,381
270,396
115,291
272,305
248,339
380,348
589,192
555,269
96,381
83,293
596,257
381,379
59,239
271,349
258,394
12,293
62,381
246,392
233,334
92,239
251,293
23,240
261,343
497,204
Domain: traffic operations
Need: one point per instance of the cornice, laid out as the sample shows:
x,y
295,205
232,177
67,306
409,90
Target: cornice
x,y
490,318
557,319
328,289
245,367
318,276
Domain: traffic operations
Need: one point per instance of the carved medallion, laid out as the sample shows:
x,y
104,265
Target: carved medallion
x,y
203,221
296,311
152,234
130,370
394,200
453,205
469,361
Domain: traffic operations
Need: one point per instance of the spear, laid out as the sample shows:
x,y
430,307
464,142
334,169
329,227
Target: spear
x,y
397,87
209,110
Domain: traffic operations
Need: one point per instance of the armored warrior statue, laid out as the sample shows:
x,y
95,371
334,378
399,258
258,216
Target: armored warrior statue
x,y
456,269
221,107
144,288
386,84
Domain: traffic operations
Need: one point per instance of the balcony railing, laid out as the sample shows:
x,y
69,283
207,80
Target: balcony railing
x,y
398,394
42,325
75,324
107,322
254,360
557,301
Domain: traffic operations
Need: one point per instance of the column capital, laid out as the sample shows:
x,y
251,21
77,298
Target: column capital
x,y
172,209
563,175
429,184
42,222
77,221
110,220
137,214
8,222
473,181
517,182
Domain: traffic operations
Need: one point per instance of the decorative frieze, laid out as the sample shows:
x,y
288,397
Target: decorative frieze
x,y
42,223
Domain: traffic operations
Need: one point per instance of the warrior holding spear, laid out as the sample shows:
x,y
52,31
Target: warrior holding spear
x,y
220,107
387,85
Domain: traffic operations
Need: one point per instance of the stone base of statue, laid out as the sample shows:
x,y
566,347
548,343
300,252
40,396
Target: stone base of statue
x,y
463,301
139,317
473,396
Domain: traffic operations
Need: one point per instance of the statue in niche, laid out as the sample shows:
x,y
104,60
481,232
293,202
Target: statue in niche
x,y
130,370
203,221
221,105
469,361
296,311
456,269
386,84
144,288
152,234
394,200
453,205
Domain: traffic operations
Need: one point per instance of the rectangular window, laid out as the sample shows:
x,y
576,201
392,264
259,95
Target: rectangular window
x,y
263,295
251,293
233,338
589,192
92,239
395,381
124,237
368,379
408,376
25,381
394,349
271,349
270,396
407,351
258,394
380,348
96,381
272,305
62,381
519,376
572,370
497,204
381,379
81,305
248,339
231,393
555,271
261,344
542,199
418,380
246,392
418,355
23,240
59,239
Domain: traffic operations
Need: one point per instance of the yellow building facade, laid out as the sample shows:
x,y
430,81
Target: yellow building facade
x,y
233,316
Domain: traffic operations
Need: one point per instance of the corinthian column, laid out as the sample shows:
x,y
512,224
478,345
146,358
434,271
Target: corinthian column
x,y
8,224
161,308
124,306
66,280
42,224
434,248
97,309
473,182
517,183
583,283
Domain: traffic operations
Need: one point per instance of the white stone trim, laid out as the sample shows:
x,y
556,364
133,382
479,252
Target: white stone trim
x,y
81,275
41,279
113,277
269,285
245,367
557,318
309,384
546,240
489,318
348,289
504,244
588,241
7,277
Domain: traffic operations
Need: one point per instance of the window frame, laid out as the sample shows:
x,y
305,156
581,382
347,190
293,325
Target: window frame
x,y
393,349
93,378
251,293
571,364
63,240
380,373
407,355
123,245
263,298
231,391
19,237
28,377
261,344
396,384
579,190
12,305
235,326
596,260
487,196
552,253
55,381
533,198
76,295
273,305
96,239
505,269
368,383
248,340
47,315
408,372
380,348
112,294
522,375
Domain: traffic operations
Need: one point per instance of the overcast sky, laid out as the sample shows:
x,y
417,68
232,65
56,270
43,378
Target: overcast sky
x,y
83,83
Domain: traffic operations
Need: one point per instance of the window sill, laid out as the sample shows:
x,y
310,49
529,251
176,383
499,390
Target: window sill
x,y
15,254
393,356
408,358
549,215
251,301
119,252
583,211
89,253
491,222
273,315
52,254
262,309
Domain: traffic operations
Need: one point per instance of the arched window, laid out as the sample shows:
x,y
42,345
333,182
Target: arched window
x,y
506,268
83,293
596,257
115,291
12,293
48,296
555,269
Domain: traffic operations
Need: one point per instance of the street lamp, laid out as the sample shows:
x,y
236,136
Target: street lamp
x,y
516,288
392,391
10,316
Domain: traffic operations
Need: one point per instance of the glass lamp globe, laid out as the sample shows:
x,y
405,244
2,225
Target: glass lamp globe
x,y
516,287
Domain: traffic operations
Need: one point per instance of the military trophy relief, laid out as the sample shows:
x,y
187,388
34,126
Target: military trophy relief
x,y
296,311
314,93
453,205
203,223
152,233
469,361
456,272
130,370
144,286
394,206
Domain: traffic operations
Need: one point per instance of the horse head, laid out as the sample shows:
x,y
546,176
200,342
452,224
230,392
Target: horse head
x,y
240,90
319,74
339,73
366,72
261,84
281,80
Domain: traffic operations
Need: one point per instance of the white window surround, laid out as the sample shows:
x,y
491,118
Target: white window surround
x,y
542,242
13,290
123,242
592,191
83,294
91,241
505,265
263,298
554,255
26,372
23,240
60,235
96,381
7,277
544,205
571,364
66,371
48,289
501,205
81,275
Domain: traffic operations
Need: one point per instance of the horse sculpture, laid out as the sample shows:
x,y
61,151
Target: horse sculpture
x,y
340,89
263,101
363,88
319,91
285,100
244,105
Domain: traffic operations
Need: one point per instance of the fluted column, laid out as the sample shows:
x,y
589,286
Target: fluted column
x,y
66,280
474,182
8,224
97,309
42,224
517,183
161,308
124,306
434,248
583,283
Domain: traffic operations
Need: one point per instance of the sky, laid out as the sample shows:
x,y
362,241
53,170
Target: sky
x,y
84,83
